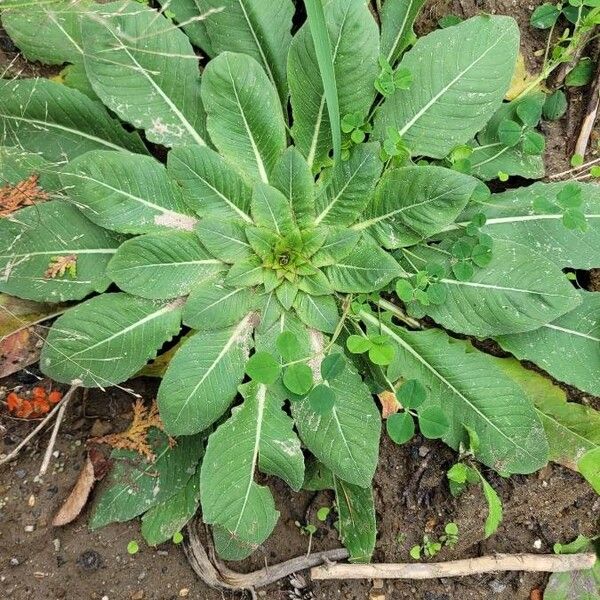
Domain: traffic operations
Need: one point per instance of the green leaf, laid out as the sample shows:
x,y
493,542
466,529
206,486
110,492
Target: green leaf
x,y
494,517
289,346
320,312
258,434
575,335
520,289
472,392
400,427
572,429
358,344
48,32
107,339
354,40
509,217
414,203
338,244
271,209
509,132
293,178
529,110
433,422
74,76
574,585
322,399
382,354
16,165
589,467
212,305
555,106
332,366
452,96
211,186
254,28
244,116
411,394
346,439
166,519
493,155
157,84
298,379
263,368
545,16
580,544
246,273
136,484
315,17
58,122
162,265
189,16
225,240
344,190
127,193
203,376
356,524
397,19
366,269
581,74
36,236
534,143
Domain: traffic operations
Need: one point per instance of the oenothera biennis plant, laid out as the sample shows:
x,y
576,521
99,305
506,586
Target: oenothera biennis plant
x,y
273,252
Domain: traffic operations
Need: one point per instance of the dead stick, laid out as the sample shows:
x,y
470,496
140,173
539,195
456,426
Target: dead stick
x,y
589,118
219,576
38,428
59,418
548,563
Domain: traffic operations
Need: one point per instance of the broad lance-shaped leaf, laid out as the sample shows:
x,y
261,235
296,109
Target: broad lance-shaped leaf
x,y
258,435
211,186
355,507
354,41
48,32
128,193
212,305
520,290
136,484
271,209
17,165
225,240
58,122
320,312
162,265
165,519
397,20
568,348
572,429
472,392
367,268
511,216
460,75
188,15
37,236
244,116
414,203
490,156
203,376
347,438
344,191
255,28
107,339
293,178
145,70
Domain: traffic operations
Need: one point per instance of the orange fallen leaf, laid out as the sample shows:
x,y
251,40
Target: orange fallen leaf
x,y
389,403
36,405
61,265
135,436
24,193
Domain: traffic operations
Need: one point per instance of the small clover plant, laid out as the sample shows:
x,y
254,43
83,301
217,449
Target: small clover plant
x,y
296,226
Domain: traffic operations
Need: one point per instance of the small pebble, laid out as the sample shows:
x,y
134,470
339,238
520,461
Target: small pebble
x,y
31,500
56,543
14,562
56,454
29,528
139,595
21,473
537,544
162,553
184,592
141,576
497,586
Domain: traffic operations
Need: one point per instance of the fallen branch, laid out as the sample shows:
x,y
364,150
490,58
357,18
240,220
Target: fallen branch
x,y
217,575
548,563
39,427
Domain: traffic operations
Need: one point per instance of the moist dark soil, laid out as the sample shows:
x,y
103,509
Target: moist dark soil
x,y
39,562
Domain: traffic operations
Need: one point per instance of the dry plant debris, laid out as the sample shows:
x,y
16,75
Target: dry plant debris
x,y
24,193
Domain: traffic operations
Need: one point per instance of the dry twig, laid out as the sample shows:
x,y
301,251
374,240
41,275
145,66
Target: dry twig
x,y
50,448
547,563
591,112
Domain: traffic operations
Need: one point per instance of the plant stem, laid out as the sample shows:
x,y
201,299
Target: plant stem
x,y
399,313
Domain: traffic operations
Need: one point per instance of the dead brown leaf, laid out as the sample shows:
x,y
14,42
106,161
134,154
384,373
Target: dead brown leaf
x,y
61,265
24,193
20,349
389,404
135,436
78,497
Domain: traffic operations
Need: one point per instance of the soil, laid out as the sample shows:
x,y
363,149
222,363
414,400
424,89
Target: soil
x,y
39,562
